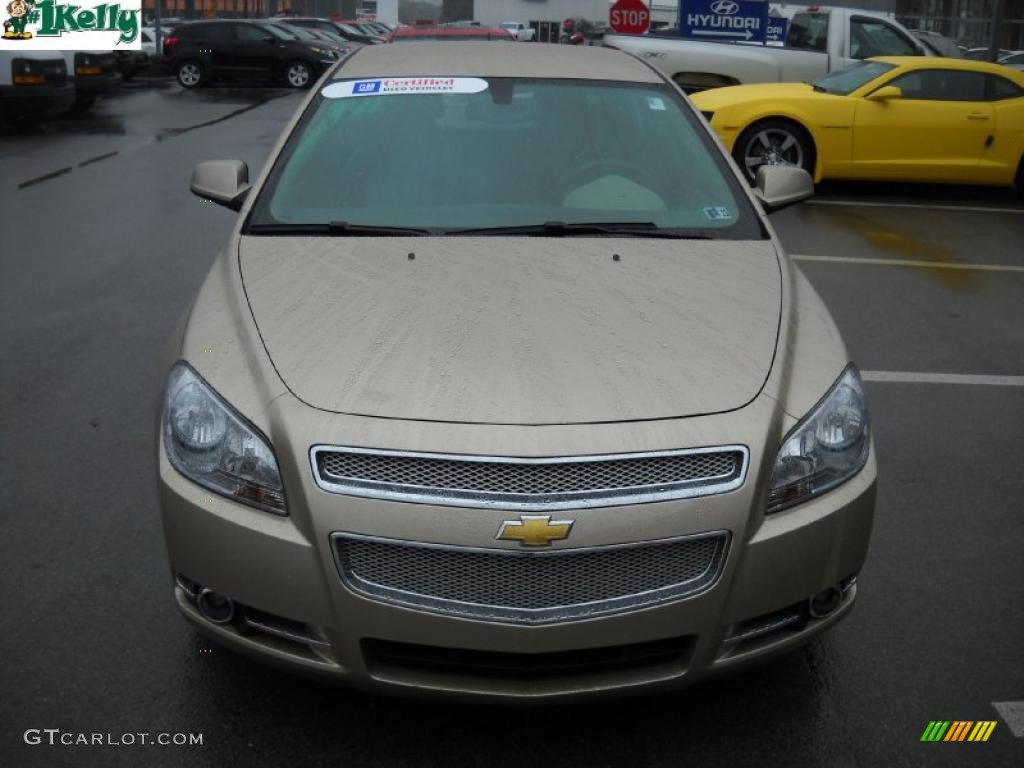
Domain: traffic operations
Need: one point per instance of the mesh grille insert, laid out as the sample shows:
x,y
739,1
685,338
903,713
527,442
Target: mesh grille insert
x,y
529,587
529,483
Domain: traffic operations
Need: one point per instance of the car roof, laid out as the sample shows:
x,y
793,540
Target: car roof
x,y
941,62
451,32
484,59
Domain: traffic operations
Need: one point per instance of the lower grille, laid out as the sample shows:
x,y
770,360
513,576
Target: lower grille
x,y
56,74
529,587
526,666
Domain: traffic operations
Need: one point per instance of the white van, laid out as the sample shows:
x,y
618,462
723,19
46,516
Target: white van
x,y
33,83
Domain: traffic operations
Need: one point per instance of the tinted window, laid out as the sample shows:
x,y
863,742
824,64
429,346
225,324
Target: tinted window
x,y
808,31
941,85
251,34
1017,58
585,151
871,37
207,32
1000,88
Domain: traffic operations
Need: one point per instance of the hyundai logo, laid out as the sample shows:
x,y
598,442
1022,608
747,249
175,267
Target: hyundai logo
x,y
725,7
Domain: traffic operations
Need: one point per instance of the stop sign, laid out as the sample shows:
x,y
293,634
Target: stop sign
x,y
629,17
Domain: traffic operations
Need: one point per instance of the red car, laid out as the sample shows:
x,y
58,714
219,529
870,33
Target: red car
x,y
406,34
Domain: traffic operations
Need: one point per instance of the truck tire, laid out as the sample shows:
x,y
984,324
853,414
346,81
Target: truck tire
x,y
82,104
694,82
775,141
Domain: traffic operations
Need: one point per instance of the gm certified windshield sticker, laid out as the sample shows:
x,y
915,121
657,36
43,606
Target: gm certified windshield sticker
x,y
718,214
386,86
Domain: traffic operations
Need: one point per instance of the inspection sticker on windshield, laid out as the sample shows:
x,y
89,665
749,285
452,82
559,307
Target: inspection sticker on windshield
x,y
718,214
404,85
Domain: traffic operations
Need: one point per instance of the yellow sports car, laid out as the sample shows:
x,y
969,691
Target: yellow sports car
x,y
910,118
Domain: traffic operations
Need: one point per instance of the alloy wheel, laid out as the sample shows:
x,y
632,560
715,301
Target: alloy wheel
x,y
772,146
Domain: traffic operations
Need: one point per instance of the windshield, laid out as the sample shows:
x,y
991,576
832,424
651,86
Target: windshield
x,y
848,80
290,33
277,32
585,151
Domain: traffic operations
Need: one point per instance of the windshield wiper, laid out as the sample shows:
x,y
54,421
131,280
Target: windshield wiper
x,y
334,229
563,229
818,88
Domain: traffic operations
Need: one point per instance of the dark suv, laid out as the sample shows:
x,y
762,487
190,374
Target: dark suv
x,y
243,50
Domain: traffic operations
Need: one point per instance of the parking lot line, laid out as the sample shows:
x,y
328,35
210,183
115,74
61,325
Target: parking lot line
x,y
927,206
910,263
1012,713
922,377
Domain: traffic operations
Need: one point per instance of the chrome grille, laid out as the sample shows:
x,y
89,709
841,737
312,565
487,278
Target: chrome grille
x,y
529,587
521,483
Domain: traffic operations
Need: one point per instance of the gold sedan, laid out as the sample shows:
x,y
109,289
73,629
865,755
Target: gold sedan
x,y
573,425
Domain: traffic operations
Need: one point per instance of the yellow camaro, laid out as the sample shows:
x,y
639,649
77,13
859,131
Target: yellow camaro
x,y
891,118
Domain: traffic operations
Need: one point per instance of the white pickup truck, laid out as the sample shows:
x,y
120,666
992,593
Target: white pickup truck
x,y
818,40
519,31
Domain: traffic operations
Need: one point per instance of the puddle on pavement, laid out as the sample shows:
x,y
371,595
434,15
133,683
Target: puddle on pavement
x,y
89,124
216,93
903,245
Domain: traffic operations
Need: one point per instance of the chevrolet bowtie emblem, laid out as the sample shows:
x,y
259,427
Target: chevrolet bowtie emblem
x,y
535,530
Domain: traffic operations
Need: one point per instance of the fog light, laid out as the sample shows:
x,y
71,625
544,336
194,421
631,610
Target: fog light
x,y
825,602
215,607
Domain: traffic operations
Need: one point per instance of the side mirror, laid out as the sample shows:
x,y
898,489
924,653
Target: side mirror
x,y
885,93
225,182
782,185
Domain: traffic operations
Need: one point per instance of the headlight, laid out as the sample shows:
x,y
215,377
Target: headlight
x,y
213,446
828,447
27,72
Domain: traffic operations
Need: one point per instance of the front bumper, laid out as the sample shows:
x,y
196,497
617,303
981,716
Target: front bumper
x,y
282,574
103,84
37,99
131,63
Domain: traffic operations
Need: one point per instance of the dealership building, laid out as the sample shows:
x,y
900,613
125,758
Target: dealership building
x,y
969,22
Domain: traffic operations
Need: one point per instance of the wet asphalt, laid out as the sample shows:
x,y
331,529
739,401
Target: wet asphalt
x,y
102,252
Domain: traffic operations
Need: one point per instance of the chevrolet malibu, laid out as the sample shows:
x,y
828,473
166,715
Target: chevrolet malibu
x,y
439,425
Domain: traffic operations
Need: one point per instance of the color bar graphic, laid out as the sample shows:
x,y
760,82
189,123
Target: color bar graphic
x,y
982,730
935,730
958,730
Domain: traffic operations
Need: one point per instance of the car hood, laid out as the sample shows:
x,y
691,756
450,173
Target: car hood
x,y
719,98
497,330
